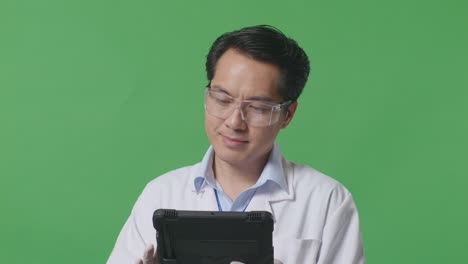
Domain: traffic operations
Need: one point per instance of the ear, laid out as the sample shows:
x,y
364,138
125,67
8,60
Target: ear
x,y
289,114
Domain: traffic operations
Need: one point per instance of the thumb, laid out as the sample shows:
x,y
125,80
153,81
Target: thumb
x,y
150,256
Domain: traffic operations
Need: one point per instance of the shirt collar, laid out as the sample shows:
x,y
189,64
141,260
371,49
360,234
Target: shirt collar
x,y
273,171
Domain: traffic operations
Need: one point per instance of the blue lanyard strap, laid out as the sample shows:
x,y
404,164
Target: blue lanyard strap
x,y
219,204
217,200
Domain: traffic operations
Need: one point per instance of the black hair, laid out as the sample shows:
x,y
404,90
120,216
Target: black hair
x,y
267,44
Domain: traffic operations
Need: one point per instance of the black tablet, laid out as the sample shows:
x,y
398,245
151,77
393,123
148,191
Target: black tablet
x,y
211,237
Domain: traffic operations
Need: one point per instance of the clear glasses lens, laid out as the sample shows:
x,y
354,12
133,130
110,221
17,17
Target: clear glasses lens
x,y
254,113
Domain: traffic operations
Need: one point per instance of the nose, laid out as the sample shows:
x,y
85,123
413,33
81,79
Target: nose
x,y
236,119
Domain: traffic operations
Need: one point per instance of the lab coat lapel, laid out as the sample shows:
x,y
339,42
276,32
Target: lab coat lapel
x,y
271,193
204,199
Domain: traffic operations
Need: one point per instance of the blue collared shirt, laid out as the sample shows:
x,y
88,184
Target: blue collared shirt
x,y
273,171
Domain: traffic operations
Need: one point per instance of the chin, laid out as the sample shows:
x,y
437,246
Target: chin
x,y
232,156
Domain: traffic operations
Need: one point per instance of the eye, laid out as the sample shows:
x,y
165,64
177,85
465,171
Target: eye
x,y
221,98
260,108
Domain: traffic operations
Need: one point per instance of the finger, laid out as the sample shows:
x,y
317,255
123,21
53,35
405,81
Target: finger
x,y
139,261
148,256
277,262
156,256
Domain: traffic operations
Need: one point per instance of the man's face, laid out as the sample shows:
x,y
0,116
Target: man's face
x,y
233,140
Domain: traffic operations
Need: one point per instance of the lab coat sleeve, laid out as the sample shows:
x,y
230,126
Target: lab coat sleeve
x,y
130,244
341,239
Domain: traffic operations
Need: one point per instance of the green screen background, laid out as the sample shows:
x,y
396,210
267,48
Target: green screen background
x,y
99,97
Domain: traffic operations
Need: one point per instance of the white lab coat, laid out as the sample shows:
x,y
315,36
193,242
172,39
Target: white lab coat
x,y
315,220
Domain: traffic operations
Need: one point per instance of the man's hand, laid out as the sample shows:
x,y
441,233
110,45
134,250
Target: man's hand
x,y
150,256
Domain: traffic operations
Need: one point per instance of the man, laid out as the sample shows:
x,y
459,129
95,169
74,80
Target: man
x,y
255,75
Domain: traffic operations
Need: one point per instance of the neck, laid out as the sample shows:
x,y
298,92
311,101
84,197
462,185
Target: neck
x,y
235,178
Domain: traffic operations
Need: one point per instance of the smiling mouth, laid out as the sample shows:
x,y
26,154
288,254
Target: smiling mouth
x,y
235,139
233,142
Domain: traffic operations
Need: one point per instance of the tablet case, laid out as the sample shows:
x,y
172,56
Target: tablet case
x,y
212,237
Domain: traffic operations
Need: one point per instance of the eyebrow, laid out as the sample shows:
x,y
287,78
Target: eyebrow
x,y
253,98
